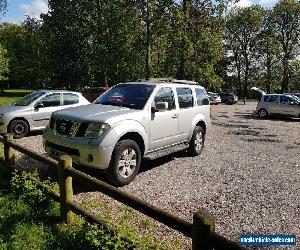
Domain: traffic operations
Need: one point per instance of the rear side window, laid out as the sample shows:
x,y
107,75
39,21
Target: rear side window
x,y
165,95
201,97
70,99
271,98
185,97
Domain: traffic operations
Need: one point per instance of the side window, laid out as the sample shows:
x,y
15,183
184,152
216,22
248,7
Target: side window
x,y
201,95
70,99
185,97
285,99
52,100
271,98
165,95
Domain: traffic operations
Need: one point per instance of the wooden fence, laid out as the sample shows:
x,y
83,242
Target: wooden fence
x,y
202,230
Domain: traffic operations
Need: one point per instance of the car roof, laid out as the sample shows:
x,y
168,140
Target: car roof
x,y
57,91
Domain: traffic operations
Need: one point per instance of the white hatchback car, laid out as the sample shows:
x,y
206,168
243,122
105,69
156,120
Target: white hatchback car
x,y
33,111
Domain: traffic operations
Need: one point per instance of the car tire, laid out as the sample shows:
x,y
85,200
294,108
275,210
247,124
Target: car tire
x,y
18,128
125,163
197,141
262,113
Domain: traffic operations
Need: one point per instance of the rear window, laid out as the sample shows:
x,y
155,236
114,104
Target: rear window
x,y
201,95
185,97
70,99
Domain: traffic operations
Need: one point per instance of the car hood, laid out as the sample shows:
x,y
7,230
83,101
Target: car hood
x,y
11,108
96,113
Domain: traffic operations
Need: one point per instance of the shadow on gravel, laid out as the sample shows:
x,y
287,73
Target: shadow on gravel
x,y
260,140
273,118
244,132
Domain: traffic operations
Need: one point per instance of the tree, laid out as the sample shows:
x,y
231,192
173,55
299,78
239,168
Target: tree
x,y
268,52
242,28
4,63
286,21
3,6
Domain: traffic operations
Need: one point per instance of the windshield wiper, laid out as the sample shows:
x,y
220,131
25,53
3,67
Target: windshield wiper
x,y
109,103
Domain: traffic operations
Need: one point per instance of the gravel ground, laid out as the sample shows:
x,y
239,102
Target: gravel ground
x,y
248,175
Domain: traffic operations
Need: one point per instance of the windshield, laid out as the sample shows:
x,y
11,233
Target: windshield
x,y
28,99
132,96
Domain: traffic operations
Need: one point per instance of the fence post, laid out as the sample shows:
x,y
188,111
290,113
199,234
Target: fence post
x,y
203,226
9,158
65,187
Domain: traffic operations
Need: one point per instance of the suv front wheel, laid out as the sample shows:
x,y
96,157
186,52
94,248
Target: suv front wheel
x,y
125,163
197,141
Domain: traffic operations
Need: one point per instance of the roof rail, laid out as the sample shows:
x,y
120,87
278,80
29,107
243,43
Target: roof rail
x,y
156,80
168,80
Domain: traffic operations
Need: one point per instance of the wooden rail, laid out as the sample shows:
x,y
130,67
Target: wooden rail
x,y
202,230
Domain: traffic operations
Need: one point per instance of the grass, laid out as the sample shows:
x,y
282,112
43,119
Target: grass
x,y
11,95
30,221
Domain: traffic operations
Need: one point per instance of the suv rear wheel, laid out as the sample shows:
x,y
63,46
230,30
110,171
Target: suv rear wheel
x,y
197,141
125,163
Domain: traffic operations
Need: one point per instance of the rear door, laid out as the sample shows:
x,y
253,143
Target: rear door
x,y
272,104
186,111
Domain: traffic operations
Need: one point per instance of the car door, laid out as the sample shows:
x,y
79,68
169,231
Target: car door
x,y
186,111
273,105
44,108
163,124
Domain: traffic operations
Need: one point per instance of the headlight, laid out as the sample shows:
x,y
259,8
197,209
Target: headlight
x,y
96,129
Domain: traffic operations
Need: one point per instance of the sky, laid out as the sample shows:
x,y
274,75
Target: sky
x,y
18,9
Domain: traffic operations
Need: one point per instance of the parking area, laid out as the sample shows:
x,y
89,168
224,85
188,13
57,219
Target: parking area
x,y
248,175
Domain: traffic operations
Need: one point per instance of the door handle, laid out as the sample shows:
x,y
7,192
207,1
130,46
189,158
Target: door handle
x,y
175,116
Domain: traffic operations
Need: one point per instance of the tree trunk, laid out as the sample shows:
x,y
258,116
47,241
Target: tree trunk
x,y
269,72
285,78
148,43
181,74
246,77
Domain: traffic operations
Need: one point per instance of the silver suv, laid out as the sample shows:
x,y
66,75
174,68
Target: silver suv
x,y
129,122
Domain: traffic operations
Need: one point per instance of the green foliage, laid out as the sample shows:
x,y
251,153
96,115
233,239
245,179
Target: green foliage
x,y
27,221
286,24
3,6
4,64
243,26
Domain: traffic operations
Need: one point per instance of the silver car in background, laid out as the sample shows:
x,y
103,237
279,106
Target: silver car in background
x,y
278,104
214,98
33,111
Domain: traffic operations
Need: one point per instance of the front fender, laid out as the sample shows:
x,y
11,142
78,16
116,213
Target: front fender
x,y
131,126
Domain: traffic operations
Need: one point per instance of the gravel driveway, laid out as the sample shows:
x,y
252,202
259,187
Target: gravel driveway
x,y
248,176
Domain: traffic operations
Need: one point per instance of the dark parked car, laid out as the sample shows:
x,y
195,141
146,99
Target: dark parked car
x,y
91,94
228,98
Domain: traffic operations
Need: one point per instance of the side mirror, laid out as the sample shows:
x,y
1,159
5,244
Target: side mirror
x,y
38,105
205,101
160,106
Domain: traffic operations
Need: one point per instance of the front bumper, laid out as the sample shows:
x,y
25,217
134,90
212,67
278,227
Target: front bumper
x,y
82,151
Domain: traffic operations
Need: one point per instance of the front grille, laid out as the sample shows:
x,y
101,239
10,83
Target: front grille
x,y
63,149
68,128
63,127
82,129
